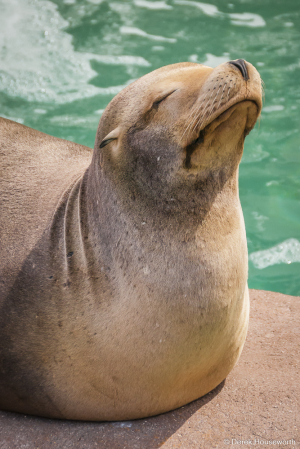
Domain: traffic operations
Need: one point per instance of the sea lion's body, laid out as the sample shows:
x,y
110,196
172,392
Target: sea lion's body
x,y
123,287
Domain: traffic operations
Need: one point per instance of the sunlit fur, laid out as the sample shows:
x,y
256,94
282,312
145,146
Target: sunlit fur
x,y
123,271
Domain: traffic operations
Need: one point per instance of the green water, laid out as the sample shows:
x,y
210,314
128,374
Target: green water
x,y
63,61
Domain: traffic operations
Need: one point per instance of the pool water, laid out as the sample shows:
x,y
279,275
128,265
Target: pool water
x,y
62,61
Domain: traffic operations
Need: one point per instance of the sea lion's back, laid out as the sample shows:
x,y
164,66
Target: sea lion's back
x,y
35,170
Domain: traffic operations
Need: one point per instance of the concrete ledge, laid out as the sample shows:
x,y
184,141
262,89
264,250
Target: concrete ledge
x,y
258,402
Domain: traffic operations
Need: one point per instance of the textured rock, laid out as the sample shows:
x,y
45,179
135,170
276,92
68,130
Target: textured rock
x,y
258,402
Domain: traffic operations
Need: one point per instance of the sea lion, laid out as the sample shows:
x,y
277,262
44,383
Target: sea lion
x,y
124,271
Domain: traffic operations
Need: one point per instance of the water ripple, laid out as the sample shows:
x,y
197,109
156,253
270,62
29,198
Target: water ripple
x,y
152,5
286,252
46,68
242,19
138,32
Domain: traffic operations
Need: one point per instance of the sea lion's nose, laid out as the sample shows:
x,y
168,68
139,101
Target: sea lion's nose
x,y
241,65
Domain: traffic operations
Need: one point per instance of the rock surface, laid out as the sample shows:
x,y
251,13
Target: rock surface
x,y
256,406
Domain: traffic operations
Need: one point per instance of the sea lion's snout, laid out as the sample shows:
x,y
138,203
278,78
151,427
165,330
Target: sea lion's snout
x,y
220,89
226,110
241,65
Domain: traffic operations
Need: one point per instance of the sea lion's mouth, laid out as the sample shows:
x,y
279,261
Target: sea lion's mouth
x,y
225,115
209,128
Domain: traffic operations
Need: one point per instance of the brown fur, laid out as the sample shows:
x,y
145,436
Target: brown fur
x,y
123,275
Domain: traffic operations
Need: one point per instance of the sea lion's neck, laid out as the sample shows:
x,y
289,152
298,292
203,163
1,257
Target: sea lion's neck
x,y
105,242
69,228
113,212
129,242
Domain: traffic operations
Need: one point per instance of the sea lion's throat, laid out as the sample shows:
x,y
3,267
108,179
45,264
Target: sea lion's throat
x,y
191,148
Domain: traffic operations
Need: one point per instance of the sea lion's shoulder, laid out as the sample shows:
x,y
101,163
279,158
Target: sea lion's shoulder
x,y
34,164
35,171
19,140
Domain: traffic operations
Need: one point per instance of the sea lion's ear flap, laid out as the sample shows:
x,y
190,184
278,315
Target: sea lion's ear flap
x,y
113,135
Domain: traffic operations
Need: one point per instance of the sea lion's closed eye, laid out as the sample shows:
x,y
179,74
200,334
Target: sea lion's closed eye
x,y
106,142
162,98
113,135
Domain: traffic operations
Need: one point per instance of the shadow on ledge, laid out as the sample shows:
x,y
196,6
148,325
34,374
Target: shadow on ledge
x,y
17,431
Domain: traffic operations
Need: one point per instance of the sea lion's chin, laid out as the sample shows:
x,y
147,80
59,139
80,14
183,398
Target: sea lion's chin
x,y
222,140
245,111
252,116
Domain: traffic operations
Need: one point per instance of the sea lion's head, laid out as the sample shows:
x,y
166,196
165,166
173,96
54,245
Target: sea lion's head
x,y
179,129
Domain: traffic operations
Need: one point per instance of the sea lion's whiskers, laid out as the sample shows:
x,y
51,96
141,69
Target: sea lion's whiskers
x,y
219,101
229,89
207,102
193,111
225,84
212,106
196,106
191,125
204,109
